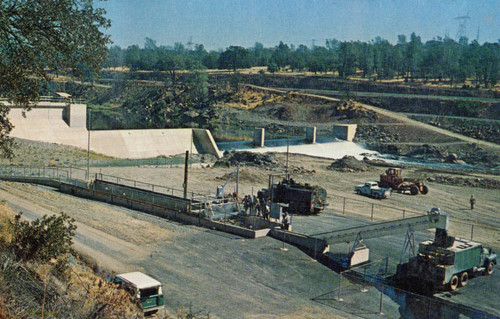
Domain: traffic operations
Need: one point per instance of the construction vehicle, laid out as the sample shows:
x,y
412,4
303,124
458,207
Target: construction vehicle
x,y
393,178
301,198
447,262
373,190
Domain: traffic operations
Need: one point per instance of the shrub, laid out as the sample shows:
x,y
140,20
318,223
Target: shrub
x,y
42,239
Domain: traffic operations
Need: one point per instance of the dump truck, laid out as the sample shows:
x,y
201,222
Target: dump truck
x,y
147,290
447,263
373,190
393,178
301,198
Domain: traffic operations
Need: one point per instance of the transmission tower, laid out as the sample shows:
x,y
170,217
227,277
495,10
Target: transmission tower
x,y
462,26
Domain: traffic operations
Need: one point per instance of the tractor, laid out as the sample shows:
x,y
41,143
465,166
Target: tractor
x,y
392,178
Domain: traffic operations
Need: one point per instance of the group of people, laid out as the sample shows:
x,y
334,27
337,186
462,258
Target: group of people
x,y
261,207
256,206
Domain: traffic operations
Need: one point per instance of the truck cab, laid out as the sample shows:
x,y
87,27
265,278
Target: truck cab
x,y
147,290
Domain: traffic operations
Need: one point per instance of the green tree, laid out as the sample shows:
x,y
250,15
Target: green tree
x,y
42,239
41,37
281,55
347,59
172,63
233,58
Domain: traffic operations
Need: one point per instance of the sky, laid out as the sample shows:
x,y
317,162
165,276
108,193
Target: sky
x,y
217,24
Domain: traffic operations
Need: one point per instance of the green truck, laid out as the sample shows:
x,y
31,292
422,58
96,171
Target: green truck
x,y
448,262
147,290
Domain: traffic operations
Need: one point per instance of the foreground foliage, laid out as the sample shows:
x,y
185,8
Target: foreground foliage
x,y
40,37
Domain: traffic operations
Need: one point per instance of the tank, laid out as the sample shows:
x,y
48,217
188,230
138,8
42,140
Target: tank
x,y
301,198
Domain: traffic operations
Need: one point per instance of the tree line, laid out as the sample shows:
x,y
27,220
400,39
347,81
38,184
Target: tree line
x,y
439,59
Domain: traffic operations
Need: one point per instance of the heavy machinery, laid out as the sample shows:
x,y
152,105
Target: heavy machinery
x,y
393,178
301,198
447,262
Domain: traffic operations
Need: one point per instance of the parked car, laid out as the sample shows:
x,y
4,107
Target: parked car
x,y
373,190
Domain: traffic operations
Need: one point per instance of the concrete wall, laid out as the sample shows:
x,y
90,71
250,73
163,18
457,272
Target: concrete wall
x,y
311,134
205,143
76,115
62,124
344,131
258,137
163,200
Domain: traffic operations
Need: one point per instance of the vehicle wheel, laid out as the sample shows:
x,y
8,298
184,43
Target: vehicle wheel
x,y
358,192
425,189
453,283
464,278
376,195
413,190
490,268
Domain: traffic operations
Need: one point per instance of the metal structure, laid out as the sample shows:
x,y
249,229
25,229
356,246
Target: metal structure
x,y
393,178
394,227
359,253
462,26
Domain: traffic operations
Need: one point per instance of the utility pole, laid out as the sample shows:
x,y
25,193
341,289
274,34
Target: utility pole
x,y
186,170
88,146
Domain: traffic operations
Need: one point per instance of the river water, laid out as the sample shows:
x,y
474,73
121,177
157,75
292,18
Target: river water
x,y
335,149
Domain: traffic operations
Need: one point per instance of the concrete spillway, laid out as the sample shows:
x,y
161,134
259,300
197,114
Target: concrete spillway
x,y
66,124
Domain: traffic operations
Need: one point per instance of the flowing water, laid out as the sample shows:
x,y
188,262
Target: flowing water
x,y
335,149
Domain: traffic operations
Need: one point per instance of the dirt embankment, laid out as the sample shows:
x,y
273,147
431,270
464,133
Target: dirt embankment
x,y
332,83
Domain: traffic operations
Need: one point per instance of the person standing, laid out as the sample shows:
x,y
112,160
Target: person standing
x,y
472,202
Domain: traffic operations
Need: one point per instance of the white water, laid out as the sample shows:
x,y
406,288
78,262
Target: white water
x,y
333,150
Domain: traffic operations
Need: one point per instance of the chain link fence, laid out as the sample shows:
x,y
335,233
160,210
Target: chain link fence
x,y
366,291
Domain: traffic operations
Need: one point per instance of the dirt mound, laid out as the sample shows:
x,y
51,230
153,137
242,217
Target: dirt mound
x,y
349,164
462,181
233,158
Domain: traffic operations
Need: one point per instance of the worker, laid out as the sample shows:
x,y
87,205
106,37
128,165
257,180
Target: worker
x,y
266,210
247,203
255,203
472,202
286,222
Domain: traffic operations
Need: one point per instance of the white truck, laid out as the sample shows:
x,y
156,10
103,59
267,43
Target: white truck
x,y
373,190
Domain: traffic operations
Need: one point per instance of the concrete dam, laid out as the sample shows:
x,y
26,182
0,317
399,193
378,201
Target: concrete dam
x,y
64,123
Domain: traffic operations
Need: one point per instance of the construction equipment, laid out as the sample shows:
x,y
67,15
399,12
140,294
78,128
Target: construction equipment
x,y
301,198
393,178
446,262
360,253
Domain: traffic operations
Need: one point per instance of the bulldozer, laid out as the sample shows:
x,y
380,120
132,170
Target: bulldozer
x,y
393,178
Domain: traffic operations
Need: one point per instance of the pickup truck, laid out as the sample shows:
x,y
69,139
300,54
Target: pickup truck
x,y
372,189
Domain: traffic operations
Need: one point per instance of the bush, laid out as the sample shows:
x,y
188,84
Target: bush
x,y
42,239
